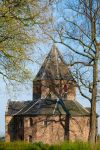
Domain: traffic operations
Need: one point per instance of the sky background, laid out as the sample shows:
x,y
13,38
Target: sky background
x,y
24,92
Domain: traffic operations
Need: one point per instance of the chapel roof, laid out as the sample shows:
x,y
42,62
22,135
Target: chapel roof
x,y
47,107
54,67
14,106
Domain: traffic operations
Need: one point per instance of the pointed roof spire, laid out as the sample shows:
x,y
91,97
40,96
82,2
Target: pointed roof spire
x,y
54,67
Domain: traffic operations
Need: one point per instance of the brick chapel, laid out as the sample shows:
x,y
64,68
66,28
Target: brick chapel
x,y
54,114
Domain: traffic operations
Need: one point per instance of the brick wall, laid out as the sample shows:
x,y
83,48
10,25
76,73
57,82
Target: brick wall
x,y
54,89
49,131
53,132
7,134
9,128
79,128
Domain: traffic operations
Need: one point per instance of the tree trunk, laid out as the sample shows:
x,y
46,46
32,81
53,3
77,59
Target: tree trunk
x,y
92,135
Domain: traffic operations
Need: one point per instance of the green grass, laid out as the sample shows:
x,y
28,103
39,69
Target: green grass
x,y
41,146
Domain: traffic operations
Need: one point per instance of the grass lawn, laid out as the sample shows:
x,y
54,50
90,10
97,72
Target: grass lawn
x,y
41,146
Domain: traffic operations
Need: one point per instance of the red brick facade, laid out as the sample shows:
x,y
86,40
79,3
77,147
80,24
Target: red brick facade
x,y
54,89
52,127
49,129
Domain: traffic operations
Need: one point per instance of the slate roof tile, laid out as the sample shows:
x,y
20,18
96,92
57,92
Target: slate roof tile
x,y
47,107
54,67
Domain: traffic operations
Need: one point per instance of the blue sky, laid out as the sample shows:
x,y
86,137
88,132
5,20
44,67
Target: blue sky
x,y
24,92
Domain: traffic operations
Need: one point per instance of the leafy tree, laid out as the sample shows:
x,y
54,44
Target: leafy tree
x,y
19,24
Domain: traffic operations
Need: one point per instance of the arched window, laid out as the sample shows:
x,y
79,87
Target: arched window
x,y
30,122
30,138
20,123
65,88
45,123
88,122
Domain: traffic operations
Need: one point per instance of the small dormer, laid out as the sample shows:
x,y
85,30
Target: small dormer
x,y
54,79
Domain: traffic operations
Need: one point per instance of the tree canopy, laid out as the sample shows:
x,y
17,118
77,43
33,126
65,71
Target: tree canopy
x,y
19,22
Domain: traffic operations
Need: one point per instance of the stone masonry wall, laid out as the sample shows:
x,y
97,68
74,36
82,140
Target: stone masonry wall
x,y
79,128
53,89
49,131
8,128
53,132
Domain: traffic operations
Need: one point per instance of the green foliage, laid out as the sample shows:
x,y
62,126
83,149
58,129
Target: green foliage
x,y
41,146
19,21
18,146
